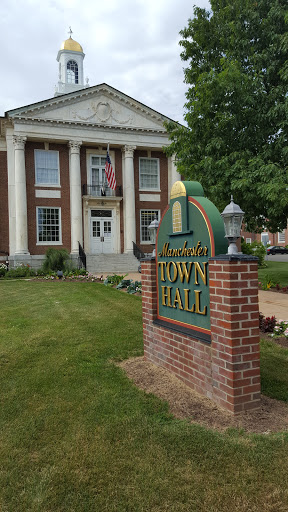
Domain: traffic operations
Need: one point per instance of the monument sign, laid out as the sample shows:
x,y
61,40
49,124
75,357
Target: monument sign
x,y
190,232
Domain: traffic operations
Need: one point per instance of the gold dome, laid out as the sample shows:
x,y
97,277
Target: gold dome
x,y
71,45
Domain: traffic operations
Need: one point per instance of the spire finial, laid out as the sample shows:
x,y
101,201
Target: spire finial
x,y
70,32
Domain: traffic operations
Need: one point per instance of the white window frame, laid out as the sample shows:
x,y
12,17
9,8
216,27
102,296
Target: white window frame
x,y
52,242
102,174
157,188
248,240
281,237
146,242
42,183
102,154
72,74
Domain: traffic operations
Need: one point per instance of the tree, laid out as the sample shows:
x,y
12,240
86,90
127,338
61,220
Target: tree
x,y
237,107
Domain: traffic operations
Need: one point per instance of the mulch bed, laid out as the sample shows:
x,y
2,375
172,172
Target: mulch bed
x,y
280,340
185,404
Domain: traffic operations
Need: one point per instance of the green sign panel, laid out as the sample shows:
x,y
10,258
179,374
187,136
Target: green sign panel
x,y
190,232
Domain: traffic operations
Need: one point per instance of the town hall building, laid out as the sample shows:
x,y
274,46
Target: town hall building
x,y
53,186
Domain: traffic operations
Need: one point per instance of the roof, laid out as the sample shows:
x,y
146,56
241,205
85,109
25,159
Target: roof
x,y
71,45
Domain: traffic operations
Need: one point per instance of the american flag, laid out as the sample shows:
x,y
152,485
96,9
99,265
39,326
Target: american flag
x,y
109,172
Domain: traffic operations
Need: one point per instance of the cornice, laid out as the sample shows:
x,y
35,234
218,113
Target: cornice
x,y
86,126
4,124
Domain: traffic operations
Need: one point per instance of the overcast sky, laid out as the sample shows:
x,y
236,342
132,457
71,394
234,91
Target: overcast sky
x,y
131,45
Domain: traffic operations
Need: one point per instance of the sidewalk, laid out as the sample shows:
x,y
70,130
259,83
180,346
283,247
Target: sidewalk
x,y
274,304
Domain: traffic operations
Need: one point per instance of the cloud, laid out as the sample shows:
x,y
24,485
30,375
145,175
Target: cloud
x,y
132,45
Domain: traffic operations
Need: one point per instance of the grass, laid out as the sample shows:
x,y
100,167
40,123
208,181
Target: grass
x,y
78,436
274,374
276,271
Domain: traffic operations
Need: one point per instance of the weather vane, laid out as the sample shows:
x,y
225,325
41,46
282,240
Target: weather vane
x,y
70,31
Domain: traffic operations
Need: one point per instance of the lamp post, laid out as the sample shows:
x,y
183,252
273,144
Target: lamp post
x,y
152,230
232,216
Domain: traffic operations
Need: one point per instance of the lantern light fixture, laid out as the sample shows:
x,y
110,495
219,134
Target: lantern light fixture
x,y
232,216
152,230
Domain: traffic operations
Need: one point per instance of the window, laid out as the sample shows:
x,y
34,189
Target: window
x,y
149,176
146,217
46,167
177,217
281,237
48,225
248,240
99,184
72,72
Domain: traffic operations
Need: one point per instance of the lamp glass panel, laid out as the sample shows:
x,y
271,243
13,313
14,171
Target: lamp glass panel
x,y
152,234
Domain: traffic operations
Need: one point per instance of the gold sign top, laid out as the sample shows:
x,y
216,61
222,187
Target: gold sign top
x,y
178,190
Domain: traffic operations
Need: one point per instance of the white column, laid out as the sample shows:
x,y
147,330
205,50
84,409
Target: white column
x,y
21,246
173,174
129,199
75,196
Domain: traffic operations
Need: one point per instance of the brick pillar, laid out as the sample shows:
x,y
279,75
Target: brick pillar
x,y
149,303
233,281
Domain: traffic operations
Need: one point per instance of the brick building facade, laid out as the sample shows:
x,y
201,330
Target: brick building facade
x,y
53,190
266,237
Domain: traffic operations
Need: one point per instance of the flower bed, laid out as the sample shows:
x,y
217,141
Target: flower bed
x,y
115,281
269,284
274,330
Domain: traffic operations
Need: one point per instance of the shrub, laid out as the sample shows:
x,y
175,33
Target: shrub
x,y
3,269
21,271
246,248
134,287
255,249
55,259
75,272
113,280
268,283
124,284
266,324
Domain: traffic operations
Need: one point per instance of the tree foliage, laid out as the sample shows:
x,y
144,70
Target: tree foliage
x,y
236,111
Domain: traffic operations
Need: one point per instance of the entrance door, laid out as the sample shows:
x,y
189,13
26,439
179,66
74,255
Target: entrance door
x,y
102,239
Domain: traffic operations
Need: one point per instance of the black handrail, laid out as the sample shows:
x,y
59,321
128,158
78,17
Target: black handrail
x,y
137,252
82,255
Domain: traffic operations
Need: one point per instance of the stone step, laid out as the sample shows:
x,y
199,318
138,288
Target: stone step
x,y
115,263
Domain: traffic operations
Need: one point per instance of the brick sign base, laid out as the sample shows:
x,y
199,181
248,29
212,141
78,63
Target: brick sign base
x,y
227,370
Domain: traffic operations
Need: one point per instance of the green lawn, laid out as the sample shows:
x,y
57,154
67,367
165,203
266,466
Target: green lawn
x,y
78,436
276,271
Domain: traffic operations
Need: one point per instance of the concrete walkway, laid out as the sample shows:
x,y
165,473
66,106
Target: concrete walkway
x,y
274,304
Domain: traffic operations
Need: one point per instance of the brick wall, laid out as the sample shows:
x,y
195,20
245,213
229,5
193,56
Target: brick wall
x,y
33,202
150,205
227,370
235,332
273,237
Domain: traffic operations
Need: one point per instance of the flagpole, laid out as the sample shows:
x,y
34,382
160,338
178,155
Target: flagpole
x,y
108,148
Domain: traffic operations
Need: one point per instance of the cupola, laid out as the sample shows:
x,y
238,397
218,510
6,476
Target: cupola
x,y
71,73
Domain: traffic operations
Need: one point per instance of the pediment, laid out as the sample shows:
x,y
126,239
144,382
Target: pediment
x,y
100,105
